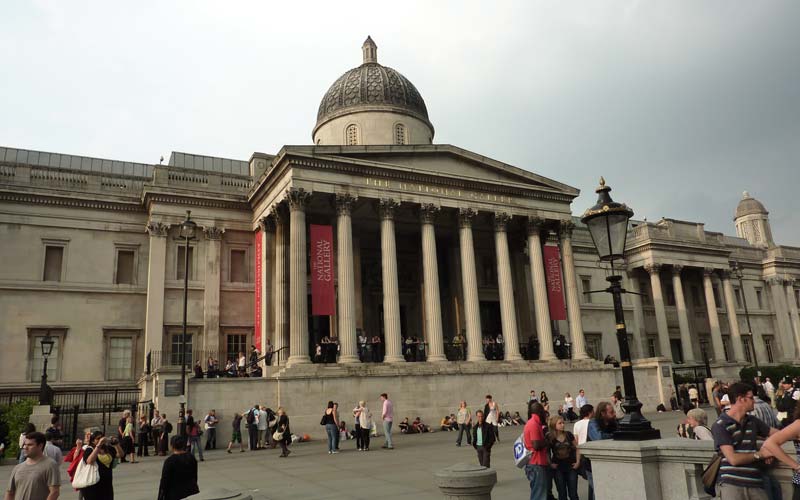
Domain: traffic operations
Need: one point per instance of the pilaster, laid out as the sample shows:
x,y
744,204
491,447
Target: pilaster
x,y
213,236
156,268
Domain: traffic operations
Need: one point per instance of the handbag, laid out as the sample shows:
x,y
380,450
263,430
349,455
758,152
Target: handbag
x,y
277,435
710,474
522,455
85,475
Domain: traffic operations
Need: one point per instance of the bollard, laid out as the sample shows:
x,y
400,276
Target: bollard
x,y
463,481
219,494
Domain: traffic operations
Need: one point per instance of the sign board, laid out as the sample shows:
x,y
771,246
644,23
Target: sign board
x,y
258,290
323,297
555,285
172,388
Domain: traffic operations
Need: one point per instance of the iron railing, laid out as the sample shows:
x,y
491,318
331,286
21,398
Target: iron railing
x,y
87,400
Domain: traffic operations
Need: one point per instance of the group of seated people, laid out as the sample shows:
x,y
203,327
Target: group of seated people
x,y
506,420
415,427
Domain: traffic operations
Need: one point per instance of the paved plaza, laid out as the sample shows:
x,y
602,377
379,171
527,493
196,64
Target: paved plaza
x,y
310,473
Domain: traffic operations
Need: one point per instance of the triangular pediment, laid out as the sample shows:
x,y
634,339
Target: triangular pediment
x,y
439,160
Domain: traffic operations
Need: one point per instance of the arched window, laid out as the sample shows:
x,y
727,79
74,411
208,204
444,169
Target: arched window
x,y
351,135
399,134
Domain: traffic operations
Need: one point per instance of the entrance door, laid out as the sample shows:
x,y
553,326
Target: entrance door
x,y
677,352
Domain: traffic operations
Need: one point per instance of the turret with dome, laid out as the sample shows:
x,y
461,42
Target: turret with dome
x,y
752,221
372,104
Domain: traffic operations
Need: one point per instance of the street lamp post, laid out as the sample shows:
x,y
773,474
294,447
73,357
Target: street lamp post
x,y
608,225
47,344
737,270
188,229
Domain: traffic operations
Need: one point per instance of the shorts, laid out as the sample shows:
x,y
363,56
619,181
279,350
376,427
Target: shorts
x,y
236,437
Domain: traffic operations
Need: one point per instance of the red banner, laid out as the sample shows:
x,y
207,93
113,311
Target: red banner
x,y
555,283
323,298
259,274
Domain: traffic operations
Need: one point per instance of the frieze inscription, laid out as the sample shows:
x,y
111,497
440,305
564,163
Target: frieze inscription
x,y
414,187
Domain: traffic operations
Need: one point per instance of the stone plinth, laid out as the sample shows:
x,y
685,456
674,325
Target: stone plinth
x,y
462,481
40,417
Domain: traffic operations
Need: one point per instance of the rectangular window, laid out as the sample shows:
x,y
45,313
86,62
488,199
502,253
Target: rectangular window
x,y
53,260
670,295
37,360
748,353
652,348
697,298
586,285
234,344
769,346
175,349
759,298
238,266
705,353
594,346
120,358
125,267
738,293
182,263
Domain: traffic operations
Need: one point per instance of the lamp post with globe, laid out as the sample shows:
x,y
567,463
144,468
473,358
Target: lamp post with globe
x,y
607,221
47,344
187,232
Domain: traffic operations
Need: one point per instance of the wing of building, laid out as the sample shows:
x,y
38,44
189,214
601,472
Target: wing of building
x,y
439,255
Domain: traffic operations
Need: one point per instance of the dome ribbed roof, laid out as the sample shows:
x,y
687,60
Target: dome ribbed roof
x,y
749,205
372,86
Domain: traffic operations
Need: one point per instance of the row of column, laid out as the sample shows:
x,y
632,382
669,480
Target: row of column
x,y
782,291
298,320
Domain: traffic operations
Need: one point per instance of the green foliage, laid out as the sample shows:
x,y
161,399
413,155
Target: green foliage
x,y
13,417
775,373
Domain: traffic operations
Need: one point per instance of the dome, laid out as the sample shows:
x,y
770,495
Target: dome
x,y
749,206
371,87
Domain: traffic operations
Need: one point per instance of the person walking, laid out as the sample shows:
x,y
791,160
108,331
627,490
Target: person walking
x,y
365,421
179,473
211,421
282,427
101,452
193,431
483,439
464,421
236,435
562,446
491,413
533,439
331,427
569,407
387,416
338,424
143,434
37,477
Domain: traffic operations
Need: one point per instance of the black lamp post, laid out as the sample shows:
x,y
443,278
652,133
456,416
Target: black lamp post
x,y
47,344
188,229
737,271
608,224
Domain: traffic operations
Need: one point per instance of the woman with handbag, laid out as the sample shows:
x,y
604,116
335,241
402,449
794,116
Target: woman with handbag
x,y
331,427
282,433
100,454
128,437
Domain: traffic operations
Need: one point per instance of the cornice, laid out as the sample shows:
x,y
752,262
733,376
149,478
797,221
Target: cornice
x,y
38,199
693,249
150,198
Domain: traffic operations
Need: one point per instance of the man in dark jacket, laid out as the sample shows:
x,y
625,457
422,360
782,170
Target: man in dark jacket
x,y
787,402
179,473
482,439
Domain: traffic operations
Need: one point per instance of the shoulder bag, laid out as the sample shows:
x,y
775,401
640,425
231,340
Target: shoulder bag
x,y
522,455
85,475
710,474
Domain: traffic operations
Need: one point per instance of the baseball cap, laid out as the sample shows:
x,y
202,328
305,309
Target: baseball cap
x,y
787,380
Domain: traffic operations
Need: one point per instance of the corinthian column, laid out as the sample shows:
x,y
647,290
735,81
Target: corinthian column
x,y
661,313
472,315
683,318
733,320
571,282
508,313
638,315
279,284
713,318
430,271
793,312
346,278
298,274
157,259
543,330
391,294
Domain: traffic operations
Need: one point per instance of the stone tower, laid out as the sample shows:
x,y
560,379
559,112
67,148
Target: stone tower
x,y
752,222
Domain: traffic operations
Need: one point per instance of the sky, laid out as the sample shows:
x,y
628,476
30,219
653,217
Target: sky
x,y
680,105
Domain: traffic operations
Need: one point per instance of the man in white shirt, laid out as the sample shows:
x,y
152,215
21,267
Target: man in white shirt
x,y
581,399
261,423
770,390
52,450
581,427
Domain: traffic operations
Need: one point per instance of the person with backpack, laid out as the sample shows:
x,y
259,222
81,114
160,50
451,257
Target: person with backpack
x,y
562,446
251,417
163,438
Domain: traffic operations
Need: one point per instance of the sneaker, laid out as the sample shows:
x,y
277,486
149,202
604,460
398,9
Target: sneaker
x,y
330,452
390,447
334,452
229,451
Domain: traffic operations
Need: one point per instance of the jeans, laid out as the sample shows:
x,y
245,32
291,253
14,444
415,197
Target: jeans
x,y
566,479
365,437
537,475
195,443
484,456
462,429
211,438
252,434
387,432
331,431
591,484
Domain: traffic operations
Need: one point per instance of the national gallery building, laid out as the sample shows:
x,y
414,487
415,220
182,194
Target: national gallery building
x,y
373,231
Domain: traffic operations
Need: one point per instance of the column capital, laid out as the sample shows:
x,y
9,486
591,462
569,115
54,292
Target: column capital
x,y
157,229
297,199
501,220
267,223
344,203
708,271
565,229
536,225
387,207
278,212
213,233
774,280
725,274
676,269
652,268
465,216
428,213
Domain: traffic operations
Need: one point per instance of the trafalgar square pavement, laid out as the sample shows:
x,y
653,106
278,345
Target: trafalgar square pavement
x,y
310,473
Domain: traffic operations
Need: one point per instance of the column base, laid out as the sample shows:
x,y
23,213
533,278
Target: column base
x,y
349,359
548,357
476,358
298,360
437,358
394,359
513,358
581,356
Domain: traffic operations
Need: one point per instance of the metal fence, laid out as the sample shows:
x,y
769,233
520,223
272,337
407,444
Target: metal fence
x,y
87,401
